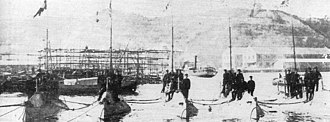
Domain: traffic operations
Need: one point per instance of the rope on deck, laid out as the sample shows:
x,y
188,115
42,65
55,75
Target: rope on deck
x,y
75,102
144,99
20,104
82,113
10,111
211,103
135,102
205,99
73,109
270,103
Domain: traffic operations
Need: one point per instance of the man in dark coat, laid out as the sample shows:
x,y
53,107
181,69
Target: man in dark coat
x,y
225,82
251,86
317,78
308,84
185,86
166,80
233,84
240,84
288,81
294,82
180,76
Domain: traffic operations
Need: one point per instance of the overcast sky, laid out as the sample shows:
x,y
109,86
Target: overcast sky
x,y
22,11
26,8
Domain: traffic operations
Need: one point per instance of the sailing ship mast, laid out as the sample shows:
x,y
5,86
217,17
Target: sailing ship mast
x,y
294,49
110,14
172,42
47,49
230,52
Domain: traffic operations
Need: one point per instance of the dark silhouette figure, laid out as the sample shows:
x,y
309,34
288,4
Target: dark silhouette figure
x,y
185,86
251,86
41,9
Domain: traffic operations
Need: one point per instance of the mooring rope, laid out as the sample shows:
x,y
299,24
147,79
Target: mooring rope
x,y
23,114
73,109
211,103
135,102
10,111
76,102
269,103
144,99
20,104
82,113
205,99
101,113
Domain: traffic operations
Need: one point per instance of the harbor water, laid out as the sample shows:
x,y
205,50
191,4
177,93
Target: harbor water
x,y
203,91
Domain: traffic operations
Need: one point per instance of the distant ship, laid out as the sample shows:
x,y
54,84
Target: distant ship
x,y
80,84
207,72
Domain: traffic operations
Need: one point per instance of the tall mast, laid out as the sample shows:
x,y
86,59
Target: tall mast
x,y
230,58
110,9
172,45
46,66
172,65
294,49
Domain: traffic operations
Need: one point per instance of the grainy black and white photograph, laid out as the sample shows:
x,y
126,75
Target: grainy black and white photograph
x,y
164,61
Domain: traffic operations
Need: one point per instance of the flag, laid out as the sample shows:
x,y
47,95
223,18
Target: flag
x,y
97,14
167,5
41,9
285,3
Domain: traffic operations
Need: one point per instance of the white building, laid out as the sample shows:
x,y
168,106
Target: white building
x,y
254,58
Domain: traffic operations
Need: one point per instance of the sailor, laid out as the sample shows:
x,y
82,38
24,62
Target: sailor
x,y
300,87
308,83
166,80
180,76
185,86
240,84
251,86
294,82
233,85
225,82
174,83
240,76
317,77
176,78
288,81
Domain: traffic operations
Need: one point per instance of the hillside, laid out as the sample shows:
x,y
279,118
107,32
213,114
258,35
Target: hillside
x,y
204,34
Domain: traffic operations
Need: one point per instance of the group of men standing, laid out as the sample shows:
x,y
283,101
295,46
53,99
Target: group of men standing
x,y
295,83
173,82
234,82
